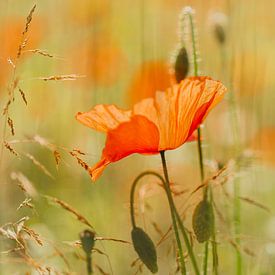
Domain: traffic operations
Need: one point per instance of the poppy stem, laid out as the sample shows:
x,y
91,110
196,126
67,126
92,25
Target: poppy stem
x,y
183,268
205,193
173,208
89,264
201,163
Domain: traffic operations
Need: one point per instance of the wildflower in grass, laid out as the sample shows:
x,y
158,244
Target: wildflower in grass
x,y
164,122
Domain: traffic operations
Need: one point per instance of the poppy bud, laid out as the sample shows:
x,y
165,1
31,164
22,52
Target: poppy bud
x,y
218,21
219,33
87,238
181,65
203,221
145,249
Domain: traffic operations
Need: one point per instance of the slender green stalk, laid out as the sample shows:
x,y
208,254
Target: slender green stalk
x,y
205,259
172,205
175,227
201,163
89,264
187,243
214,246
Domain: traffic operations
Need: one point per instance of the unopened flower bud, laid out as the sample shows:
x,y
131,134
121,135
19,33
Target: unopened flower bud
x,y
203,221
181,65
87,238
145,249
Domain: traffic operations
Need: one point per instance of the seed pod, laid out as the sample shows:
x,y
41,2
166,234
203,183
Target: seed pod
x,y
203,221
181,65
145,249
87,238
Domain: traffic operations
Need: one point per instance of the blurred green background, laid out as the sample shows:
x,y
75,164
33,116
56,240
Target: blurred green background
x,y
117,48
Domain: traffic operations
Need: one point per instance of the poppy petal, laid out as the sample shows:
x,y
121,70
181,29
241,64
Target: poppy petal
x,y
96,171
103,117
183,107
139,135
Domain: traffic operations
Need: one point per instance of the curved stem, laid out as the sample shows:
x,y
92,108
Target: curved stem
x,y
183,269
171,202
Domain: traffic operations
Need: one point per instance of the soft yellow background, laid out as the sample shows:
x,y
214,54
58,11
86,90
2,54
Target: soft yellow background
x,y
107,41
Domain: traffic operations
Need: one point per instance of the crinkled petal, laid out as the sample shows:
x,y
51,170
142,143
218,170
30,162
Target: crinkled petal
x,y
155,124
183,108
103,117
179,111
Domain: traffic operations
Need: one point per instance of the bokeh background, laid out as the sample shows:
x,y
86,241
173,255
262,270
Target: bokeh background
x,y
116,52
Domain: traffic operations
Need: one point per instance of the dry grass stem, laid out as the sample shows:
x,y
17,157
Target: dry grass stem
x,y
24,183
10,123
40,52
7,145
23,96
255,203
39,165
68,208
61,77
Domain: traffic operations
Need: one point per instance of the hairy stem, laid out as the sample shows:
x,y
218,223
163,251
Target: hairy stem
x,y
214,246
172,205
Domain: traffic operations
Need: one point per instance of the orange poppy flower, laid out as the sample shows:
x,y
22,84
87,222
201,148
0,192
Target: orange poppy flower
x,y
164,122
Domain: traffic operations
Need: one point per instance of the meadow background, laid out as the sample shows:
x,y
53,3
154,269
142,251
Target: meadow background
x,y
105,46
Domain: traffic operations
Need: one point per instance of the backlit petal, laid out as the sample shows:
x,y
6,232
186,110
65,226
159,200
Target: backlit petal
x,y
139,135
179,111
103,117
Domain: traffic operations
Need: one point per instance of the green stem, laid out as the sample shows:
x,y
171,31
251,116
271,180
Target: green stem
x,y
195,59
201,163
205,259
89,264
182,263
214,246
172,205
